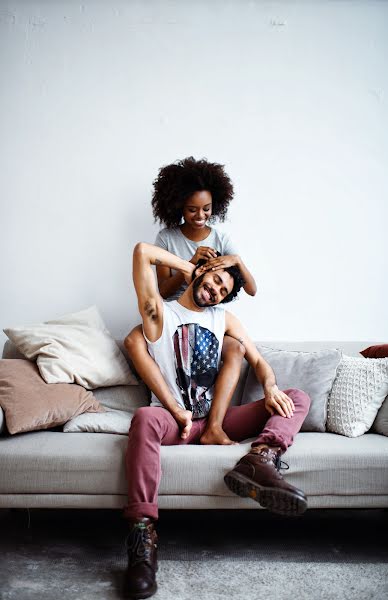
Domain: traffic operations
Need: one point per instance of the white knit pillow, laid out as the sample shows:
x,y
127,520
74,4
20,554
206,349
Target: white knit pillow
x,y
358,391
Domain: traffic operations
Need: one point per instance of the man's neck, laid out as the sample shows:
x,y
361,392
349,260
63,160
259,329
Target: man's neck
x,y
186,300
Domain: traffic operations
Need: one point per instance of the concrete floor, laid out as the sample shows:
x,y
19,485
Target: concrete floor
x,y
80,554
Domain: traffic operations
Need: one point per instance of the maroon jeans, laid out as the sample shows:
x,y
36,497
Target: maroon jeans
x,y
152,427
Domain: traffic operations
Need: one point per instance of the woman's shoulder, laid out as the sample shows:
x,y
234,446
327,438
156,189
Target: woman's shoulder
x,y
221,239
167,235
169,232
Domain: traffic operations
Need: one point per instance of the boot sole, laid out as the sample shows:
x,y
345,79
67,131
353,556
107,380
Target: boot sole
x,y
141,595
276,500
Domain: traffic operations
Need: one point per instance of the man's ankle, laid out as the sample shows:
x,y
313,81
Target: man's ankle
x,y
257,449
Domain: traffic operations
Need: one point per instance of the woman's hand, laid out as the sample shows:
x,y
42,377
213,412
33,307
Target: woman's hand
x,y
222,262
203,253
277,401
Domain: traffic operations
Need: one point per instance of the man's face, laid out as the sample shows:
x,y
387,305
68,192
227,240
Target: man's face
x,y
212,287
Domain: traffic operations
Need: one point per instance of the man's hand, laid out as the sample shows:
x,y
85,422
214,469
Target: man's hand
x,y
184,419
277,401
203,253
222,262
215,435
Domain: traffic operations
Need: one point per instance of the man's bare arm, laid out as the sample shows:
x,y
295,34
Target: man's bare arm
x,y
149,300
275,400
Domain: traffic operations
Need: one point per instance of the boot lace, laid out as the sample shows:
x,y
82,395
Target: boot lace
x,y
281,464
139,544
275,457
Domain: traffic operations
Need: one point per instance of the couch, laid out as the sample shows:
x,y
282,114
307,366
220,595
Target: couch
x,y
53,469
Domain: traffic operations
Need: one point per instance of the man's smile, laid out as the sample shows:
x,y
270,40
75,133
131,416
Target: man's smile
x,y
208,294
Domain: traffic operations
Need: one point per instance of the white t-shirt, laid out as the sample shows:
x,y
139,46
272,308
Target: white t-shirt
x,y
175,242
188,354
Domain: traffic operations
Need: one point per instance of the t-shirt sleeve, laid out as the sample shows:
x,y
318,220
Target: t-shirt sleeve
x,y
228,245
161,240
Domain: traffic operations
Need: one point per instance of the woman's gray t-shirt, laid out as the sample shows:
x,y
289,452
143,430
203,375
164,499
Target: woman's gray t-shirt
x,y
175,242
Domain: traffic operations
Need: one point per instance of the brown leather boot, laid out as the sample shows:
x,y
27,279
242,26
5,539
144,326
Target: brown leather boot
x,y
257,476
142,560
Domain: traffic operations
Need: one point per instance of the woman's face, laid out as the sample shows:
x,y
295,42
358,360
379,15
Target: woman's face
x,y
198,209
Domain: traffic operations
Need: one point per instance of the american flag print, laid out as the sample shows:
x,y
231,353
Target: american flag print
x,y
196,364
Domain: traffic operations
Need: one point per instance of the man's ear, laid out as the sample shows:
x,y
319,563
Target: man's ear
x,y
201,262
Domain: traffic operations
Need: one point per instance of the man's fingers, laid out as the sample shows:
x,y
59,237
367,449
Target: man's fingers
x,y
186,431
287,405
279,409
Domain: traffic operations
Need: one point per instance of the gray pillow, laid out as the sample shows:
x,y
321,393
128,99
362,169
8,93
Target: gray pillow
x,y
312,372
380,424
114,421
123,397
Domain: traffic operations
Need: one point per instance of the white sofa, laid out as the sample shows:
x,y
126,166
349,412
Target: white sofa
x,y
53,469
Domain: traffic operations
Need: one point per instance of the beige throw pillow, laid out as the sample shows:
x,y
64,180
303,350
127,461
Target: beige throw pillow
x,y
29,403
76,348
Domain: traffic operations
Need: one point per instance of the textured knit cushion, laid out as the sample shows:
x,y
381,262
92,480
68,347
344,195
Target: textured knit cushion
x,y
29,403
358,392
312,372
111,421
76,348
379,351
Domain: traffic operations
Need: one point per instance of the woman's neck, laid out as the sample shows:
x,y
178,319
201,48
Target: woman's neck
x,y
195,235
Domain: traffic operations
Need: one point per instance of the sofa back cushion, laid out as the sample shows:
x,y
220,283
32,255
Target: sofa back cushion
x,y
312,372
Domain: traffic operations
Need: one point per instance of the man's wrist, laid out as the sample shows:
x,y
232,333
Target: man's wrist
x,y
268,387
175,409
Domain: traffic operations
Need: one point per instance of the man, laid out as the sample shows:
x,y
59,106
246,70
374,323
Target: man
x,y
185,338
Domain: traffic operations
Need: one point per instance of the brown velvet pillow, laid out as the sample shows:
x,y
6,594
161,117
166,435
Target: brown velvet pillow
x,y
380,351
29,403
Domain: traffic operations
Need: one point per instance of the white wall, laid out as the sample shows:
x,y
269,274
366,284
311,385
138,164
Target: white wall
x,y
290,96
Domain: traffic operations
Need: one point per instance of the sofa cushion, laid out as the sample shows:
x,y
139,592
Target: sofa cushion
x,y
312,372
358,392
380,424
29,403
121,402
111,421
123,397
75,348
48,462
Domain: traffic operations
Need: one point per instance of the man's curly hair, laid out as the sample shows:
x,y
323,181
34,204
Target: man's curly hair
x,y
238,279
175,184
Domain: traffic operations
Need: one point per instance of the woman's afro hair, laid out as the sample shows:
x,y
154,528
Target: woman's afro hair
x,y
175,184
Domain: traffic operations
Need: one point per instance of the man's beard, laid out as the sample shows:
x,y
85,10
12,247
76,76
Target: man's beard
x,y
196,293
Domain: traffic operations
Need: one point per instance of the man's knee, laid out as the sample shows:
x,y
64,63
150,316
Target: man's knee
x,y
299,398
145,416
